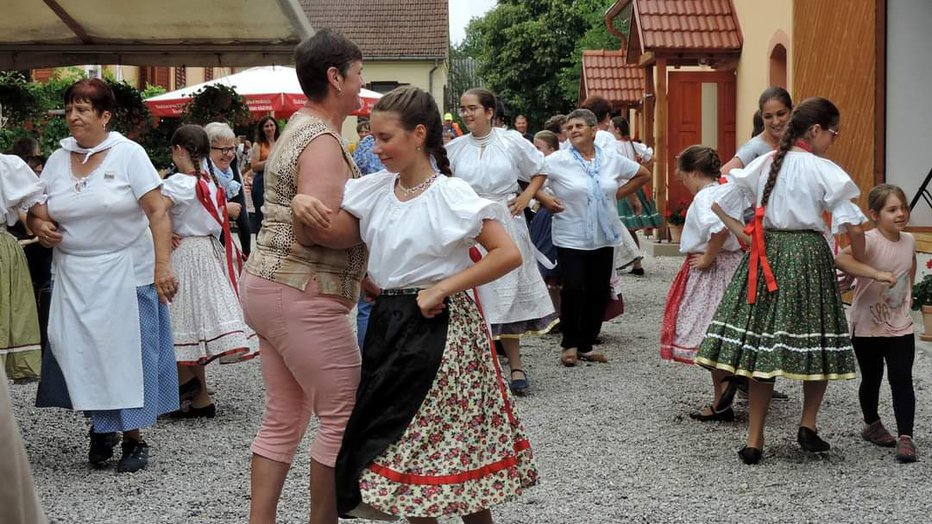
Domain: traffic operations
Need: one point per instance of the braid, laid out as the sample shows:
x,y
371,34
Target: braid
x,y
443,162
714,163
789,136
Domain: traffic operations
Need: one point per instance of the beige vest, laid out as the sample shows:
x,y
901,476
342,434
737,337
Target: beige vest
x,y
278,256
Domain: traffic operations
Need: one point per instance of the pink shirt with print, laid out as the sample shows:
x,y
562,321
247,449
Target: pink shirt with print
x,y
881,310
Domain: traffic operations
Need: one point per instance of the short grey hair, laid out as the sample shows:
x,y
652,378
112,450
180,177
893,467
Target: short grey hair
x,y
217,131
587,116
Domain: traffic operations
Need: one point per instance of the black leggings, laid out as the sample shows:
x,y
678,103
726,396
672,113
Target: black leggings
x,y
585,294
899,353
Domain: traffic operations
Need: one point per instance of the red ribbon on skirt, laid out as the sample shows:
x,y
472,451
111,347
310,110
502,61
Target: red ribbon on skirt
x,y
758,256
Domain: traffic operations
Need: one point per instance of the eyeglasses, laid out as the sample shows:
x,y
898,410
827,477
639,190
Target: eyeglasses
x,y
224,150
833,132
470,109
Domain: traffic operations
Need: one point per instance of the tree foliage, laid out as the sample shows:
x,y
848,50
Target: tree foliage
x,y
529,51
216,103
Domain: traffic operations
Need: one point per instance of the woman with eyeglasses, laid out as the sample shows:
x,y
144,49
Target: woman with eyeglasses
x,y
227,169
782,315
109,327
492,161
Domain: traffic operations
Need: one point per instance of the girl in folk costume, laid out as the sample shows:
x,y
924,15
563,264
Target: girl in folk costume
x,y
20,352
712,255
782,314
492,161
637,211
881,327
433,431
207,321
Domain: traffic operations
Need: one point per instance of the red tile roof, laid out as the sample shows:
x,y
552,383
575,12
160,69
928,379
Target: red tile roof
x,y
686,25
397,29
606,74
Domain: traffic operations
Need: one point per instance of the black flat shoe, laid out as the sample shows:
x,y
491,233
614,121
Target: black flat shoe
x,y
208,411
810,441
101,449
639,271
725,415
135,456
750,455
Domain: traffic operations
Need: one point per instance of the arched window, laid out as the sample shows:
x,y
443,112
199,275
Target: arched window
x,y
778,66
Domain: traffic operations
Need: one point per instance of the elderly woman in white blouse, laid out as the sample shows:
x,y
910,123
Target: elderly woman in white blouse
x,y
109,328
586,181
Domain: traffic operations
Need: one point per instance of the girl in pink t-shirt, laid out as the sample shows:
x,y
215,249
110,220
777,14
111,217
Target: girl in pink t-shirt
x,y
881,328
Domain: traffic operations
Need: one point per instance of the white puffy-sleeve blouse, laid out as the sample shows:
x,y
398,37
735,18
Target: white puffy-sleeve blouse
x,y
702,222
188,215
493,171
421,241
806,187
20,188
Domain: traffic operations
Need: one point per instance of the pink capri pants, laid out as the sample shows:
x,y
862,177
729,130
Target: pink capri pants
x,y
310,365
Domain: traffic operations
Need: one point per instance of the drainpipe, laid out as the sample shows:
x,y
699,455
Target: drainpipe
x,y
430,77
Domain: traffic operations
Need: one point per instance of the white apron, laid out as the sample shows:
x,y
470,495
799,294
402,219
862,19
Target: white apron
x,y
94,330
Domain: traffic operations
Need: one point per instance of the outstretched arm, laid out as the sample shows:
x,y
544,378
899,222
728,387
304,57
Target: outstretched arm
x,y
846,262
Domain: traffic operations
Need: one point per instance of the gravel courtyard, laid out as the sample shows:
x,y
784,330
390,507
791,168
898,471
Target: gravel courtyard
x,y
612,443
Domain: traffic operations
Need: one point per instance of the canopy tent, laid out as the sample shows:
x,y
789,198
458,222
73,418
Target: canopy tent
x,y
271,89
237,33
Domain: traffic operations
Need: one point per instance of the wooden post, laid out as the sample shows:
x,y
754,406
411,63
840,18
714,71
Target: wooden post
x,y
660,149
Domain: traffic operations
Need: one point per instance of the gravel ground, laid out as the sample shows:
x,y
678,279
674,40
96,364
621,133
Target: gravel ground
x,y
611,440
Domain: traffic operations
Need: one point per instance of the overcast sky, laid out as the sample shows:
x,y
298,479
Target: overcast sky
x,y
461,11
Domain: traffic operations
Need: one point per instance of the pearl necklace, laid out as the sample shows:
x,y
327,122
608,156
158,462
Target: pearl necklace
x,y
483,141
408,191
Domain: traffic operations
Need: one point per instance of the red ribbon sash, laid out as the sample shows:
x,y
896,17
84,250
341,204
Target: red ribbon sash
x,y
203,195
758,256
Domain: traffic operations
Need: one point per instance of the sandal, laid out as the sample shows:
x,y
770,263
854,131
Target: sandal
x,y
592,356
519,386
568,357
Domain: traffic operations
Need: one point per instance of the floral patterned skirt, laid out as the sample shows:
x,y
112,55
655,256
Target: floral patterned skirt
x,y
798,331
434,431
691,302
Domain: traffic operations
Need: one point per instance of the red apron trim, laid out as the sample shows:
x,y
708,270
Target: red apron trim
x,y
758,256
803,145
476,256
672,309
203,195
458,478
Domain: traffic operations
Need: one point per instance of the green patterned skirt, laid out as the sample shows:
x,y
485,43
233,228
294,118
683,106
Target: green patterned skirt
x,y
20,352
649,218
798,331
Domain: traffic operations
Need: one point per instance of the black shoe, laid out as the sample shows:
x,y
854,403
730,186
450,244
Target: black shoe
x,y
810,441
101,449
779,395
208,411
189,389
725,415
135,456
750,455
639,271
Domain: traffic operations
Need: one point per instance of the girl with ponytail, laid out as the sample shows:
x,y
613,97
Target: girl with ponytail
x,y
207,320
782,314
430,377
712,255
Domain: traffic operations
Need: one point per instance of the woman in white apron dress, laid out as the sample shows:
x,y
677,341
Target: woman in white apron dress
x,y
492,161
110,338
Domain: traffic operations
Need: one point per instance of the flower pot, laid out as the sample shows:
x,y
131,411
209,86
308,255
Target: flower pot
x,y
926,324
675,233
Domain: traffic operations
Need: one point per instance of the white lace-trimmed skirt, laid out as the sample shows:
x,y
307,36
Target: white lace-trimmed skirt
x,y
518,303
207,320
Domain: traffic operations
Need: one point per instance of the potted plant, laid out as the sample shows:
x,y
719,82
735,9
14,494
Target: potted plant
x,y
922,300
676,217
